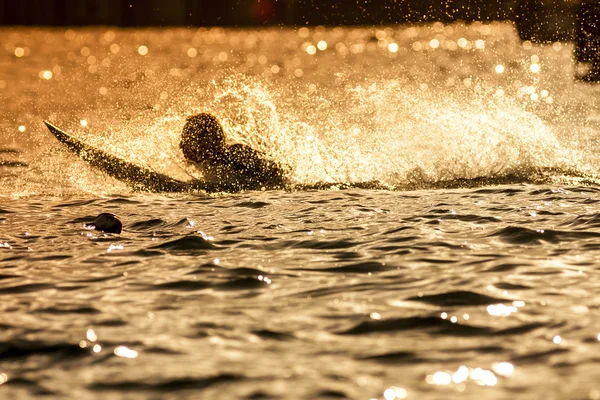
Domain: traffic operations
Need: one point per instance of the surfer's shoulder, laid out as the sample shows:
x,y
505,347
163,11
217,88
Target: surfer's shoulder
x,y
242,152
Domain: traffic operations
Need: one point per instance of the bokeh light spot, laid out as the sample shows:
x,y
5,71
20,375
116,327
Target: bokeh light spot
x,y
47,75
500,310
125,352
504,368
395,393
192,52
557,339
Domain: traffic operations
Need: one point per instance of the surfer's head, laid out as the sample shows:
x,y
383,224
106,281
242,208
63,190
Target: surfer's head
x,y
203,138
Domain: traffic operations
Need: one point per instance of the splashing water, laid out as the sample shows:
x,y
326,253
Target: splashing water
x,y
388,132
405,107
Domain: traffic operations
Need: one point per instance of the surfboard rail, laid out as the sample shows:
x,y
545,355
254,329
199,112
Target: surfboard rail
x,y
138,177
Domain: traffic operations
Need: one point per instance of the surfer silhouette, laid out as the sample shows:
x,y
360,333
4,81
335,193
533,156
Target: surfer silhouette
x,y
587,43
204,145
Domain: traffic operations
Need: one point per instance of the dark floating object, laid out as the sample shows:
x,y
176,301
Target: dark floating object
x,y
588,41
106,222
543,21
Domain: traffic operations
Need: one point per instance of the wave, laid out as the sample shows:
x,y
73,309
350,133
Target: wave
x,y
386,134
435,325
389,133
167,385
545,176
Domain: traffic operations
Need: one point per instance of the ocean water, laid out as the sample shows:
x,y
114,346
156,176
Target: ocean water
x,y
439,239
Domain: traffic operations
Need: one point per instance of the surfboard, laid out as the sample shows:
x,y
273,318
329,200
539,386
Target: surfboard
x,y
138,177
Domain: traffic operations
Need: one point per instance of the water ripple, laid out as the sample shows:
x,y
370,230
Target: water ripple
x,y
458,298
167,385
188,243
431,324
399,357
527,236
27,288
18,349
358,268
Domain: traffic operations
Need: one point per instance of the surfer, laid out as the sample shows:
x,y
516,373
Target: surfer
x,y
204,145
225,167
587,41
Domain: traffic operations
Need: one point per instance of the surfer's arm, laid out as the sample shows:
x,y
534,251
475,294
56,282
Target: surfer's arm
x,y
253,163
